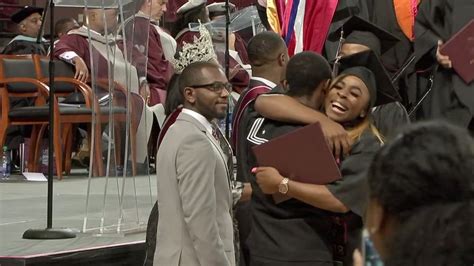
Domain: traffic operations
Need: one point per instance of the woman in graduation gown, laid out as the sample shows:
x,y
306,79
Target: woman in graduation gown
x,y
361,35
361,85
450,97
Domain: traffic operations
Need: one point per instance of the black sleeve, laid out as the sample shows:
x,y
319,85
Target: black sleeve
x,y
24,47
390,118
430,26
352,188
243,156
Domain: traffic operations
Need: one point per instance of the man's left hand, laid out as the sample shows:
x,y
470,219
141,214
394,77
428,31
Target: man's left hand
x,y
145,91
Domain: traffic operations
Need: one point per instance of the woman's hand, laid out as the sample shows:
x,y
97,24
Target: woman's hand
x,y
145,91
268,179
357,259
337,138
232,41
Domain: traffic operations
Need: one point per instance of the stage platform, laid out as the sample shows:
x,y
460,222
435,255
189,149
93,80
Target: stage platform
x,y
23,206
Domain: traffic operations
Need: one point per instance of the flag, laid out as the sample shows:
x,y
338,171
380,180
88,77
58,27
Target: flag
x,y
303,24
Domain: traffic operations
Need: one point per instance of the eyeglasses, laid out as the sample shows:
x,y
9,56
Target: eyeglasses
x,y
216,87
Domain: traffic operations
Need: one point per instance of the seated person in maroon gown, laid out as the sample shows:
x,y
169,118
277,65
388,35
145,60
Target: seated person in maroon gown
x,y
159,46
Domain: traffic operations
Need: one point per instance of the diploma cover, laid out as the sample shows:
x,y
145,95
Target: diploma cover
x,y
301,155
460,49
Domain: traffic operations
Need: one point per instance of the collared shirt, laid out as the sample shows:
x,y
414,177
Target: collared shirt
x,y
199,117
267,82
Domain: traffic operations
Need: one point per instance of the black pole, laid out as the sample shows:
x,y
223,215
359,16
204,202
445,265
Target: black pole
x,y
227,54
51,119
49,232
43,17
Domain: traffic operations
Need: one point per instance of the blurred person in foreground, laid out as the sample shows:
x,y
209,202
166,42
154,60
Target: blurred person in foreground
x,y
422,197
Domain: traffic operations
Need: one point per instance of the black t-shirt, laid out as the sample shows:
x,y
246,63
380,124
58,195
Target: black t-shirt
x,y
296,231
291,230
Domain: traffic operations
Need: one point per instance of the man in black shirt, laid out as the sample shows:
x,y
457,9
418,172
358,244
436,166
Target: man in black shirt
x,y
292,232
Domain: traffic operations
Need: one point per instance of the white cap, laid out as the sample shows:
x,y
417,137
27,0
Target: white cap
x,y
190,5
220,7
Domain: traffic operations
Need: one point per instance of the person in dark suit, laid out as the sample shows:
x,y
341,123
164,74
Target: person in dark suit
x,y
193,176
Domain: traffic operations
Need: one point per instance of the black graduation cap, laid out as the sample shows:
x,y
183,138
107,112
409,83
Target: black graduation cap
x,y
24,13
368,67
360,31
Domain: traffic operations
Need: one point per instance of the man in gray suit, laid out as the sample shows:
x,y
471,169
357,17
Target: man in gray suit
x,y
194,194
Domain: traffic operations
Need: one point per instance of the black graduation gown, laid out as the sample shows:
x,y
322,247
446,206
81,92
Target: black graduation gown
x,y
382,13
352,190
450,98
390,118
25,47
344,10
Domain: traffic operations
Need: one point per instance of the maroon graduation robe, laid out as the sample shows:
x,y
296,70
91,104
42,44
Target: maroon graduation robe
x,y
80,45
158,69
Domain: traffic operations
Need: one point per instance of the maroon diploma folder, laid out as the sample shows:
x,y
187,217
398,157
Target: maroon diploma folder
x,y
460,49
301,155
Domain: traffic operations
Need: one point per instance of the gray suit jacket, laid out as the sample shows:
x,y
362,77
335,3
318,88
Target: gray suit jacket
x,y
194,198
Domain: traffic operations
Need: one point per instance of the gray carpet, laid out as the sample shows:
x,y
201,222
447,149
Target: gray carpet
x,y
23,206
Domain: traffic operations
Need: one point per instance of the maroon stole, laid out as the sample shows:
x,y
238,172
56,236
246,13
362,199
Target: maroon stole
x,y
167,124
247,98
